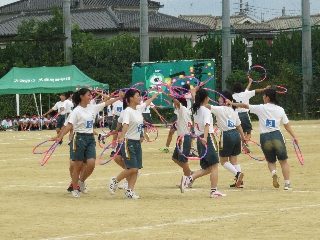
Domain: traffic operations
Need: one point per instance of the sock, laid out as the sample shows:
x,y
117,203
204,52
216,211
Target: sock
x,y
213,189
166,147
287,181
273,172
237,166
230,168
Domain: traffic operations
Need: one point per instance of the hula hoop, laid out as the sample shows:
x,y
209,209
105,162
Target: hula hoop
x,y
34,149
282,90
138,84
258,66
165,122
151,128
190,158
178,92
248,154
169,104
55,116
108,147
49,153
101,138
187,80
216,92
298,152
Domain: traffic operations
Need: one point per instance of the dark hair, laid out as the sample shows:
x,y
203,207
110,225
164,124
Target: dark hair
x,y
237,87
76,96
183,101
130,93
63,94
67,94
201,95
272,94
228,95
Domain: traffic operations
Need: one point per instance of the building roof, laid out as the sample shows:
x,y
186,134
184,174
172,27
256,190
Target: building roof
x,y
215,22
36,5
291,22
106,19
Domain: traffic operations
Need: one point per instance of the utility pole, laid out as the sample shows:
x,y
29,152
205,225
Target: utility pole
x,y
144,26
306,53
81,4
226,42
241,8
67,32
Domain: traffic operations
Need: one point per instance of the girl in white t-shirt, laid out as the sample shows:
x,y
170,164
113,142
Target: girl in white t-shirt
x,y
203,127
83,144
231,136
271,139
131,151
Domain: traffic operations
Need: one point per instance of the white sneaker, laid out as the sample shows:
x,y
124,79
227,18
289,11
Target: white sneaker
x,y
113,185
287,186
217,194
184,183
75,193
131,194
83,187
124,185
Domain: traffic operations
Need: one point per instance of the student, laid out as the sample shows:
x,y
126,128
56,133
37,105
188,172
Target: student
x,y
130,137
34,123
82,146
24,122
47,122
7,124
203,126
230,142
60,107
109,116
183,125
271,139
243,96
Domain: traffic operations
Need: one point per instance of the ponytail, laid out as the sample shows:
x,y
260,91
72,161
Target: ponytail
x,y
201,95
228,95
76,96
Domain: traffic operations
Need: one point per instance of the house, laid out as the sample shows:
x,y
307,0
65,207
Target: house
x,y
104,18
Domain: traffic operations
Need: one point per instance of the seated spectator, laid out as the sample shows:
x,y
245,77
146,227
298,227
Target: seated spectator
x,y
7,124
24,123
15,123
34,123
47,122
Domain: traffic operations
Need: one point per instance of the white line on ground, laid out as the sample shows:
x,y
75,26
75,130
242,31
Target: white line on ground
x,y
150,227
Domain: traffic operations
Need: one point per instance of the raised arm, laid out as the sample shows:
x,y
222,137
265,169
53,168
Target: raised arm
x,y
147,102
239,105
175,101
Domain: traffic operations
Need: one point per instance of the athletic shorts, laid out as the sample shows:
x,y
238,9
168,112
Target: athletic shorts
x,y
114,123
211,157
230,143
245,121
82,147
185,146
273,146
147,118
60,121
132,153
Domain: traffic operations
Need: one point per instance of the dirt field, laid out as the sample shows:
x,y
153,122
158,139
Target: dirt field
x,y
36,205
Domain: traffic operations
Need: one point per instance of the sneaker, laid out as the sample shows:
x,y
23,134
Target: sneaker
x,y
165,150
113,185
217,194
190,183
275,181
70,188
234,185
246,147
184,183
287,186
131,194
239,179
75,193
83,187
112,153
124,185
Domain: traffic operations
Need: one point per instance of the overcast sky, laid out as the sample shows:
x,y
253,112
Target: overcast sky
x,y
258,9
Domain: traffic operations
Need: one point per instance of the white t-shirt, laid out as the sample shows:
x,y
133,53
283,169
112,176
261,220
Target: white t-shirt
x,y
58,106
82,119
68,106
227,118
117,107
6,123
147,108
109,111
135,121
34,120
24,120
243,97
202,118
184,121
270,116
188,97
46,120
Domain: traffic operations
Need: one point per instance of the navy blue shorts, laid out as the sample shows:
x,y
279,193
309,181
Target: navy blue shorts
x,y
132,153
82,147
211,157
273,146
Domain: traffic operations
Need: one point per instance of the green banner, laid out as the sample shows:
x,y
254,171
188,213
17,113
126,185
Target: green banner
x,y
175,73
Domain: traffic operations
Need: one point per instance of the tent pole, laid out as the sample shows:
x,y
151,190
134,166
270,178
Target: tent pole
x,y
17,105
41,121
35,101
